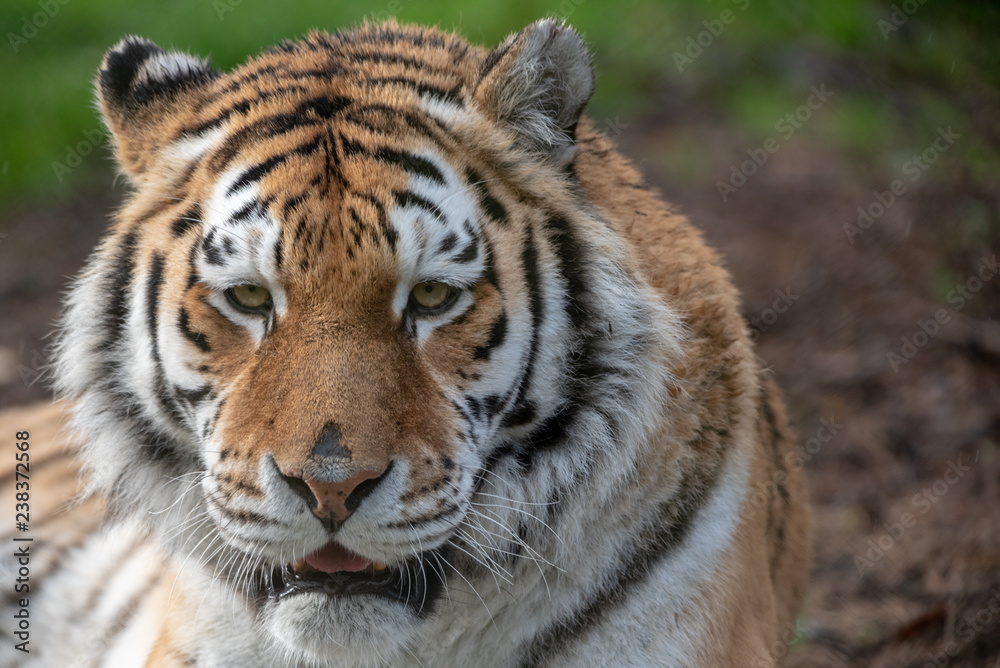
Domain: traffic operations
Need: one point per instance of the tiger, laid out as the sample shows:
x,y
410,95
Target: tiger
x,y
390,358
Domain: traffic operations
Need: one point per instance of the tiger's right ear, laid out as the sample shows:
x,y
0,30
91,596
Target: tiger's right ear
x,y
141,88
538,81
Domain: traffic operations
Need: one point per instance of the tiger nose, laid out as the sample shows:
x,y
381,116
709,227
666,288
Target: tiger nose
x,y
333,482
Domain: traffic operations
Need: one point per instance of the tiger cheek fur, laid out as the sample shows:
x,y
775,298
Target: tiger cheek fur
x,y
393,360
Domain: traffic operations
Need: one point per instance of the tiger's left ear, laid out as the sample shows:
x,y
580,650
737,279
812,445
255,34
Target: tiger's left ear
x,y
538,81
142,91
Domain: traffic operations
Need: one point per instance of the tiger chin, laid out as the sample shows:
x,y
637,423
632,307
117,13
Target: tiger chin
x,y
390,358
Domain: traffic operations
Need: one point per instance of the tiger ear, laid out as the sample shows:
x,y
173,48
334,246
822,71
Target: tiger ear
x,y
538,81
140,88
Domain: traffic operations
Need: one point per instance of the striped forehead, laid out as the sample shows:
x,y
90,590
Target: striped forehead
x,y
240,235
432,221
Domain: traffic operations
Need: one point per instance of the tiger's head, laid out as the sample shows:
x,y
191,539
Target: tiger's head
x,y
353,312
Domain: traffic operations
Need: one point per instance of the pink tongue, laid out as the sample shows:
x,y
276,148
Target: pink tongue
x,y
332,558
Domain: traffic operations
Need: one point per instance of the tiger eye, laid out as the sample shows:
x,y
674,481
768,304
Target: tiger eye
x,y
431,294
251,296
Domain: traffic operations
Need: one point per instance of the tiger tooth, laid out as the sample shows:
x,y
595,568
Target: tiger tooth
x,y
378,568
299,565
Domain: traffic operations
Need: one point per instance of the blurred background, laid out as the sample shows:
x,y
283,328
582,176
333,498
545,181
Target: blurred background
x,y
844,155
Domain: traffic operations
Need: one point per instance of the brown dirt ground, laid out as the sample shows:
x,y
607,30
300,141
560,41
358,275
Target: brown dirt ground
x,y
906,482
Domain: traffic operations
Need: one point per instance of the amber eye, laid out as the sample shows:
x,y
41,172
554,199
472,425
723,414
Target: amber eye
x,y
432,295
249,297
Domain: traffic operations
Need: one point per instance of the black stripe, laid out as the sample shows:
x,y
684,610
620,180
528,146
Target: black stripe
x,y
291,203
256,173
569,254
270,127
242,106
151,444
448,95
299,229
195,396
211,250
498,332
665,534
248,209
410,163
308,148
474,407
490,204
521,414
405,160
126,405
210,425
119,282
187,220
532,278
279,249
245,516
469,253
388,231
197,338
490,270
122,66
358,229
494,404
357,57
448,243
153,286
242,486
324,107
192,268
365,116
496,55
584,368
405,198
551,433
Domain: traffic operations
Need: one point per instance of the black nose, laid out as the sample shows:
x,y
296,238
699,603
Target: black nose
x,y
333,482
328,446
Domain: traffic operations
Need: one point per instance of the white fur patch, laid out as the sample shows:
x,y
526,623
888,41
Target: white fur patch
x,y
167,66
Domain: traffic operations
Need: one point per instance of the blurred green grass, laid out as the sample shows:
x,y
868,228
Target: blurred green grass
x,y
894,88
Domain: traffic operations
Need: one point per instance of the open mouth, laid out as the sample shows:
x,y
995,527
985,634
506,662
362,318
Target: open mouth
x,y
335,571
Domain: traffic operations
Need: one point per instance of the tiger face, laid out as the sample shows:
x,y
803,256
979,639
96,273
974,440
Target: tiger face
x,y
349,312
